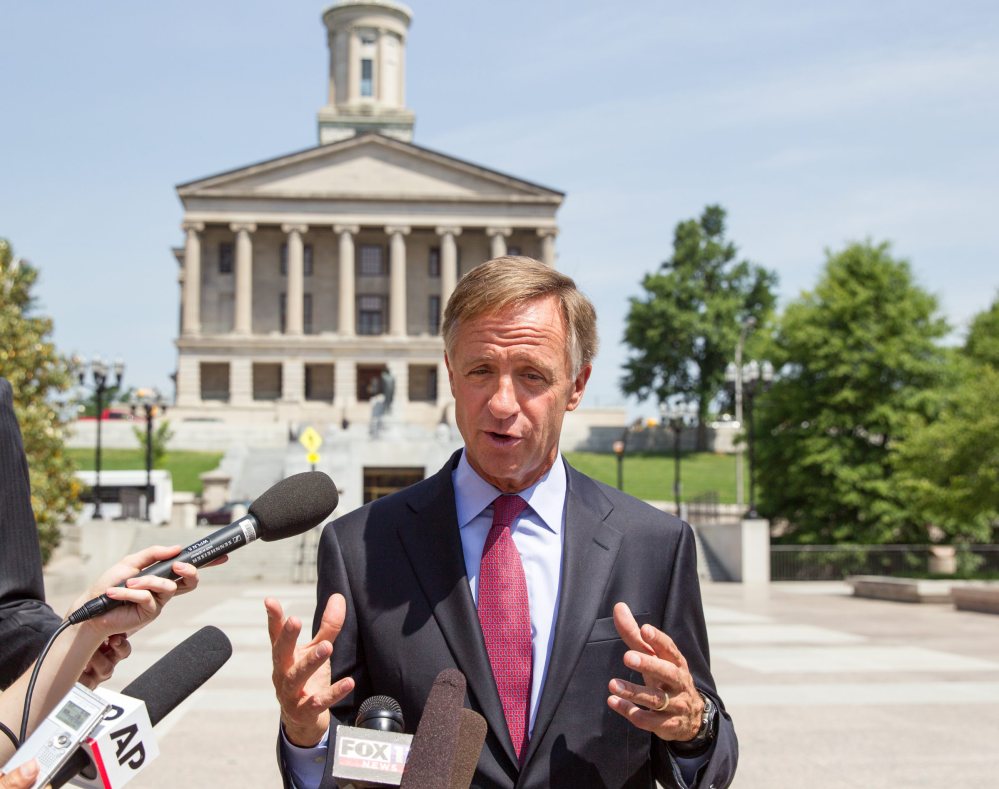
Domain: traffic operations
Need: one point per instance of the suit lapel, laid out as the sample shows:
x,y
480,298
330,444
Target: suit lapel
x,y
589,550
433,545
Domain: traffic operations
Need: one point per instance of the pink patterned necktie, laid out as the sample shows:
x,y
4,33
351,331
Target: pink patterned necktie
x,y
505,617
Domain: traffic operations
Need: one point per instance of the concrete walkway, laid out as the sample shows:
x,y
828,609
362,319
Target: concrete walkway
x,y
826,690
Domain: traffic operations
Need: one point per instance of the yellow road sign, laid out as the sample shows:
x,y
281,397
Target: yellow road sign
x,y
310,439
312,458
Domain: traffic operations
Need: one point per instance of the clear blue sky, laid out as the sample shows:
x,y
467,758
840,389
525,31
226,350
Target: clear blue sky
x,y
813,124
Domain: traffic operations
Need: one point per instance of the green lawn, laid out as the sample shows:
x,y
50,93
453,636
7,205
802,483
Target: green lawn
x,y
649,475
184,467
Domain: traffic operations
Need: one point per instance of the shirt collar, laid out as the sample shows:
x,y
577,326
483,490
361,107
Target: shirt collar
x,y
546,497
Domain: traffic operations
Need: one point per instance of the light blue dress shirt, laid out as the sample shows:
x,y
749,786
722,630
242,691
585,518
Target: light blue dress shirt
x,y
537,533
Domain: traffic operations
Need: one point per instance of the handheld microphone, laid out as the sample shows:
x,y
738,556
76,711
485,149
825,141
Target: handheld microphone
x,y
374,750
448,740
292,506
164,685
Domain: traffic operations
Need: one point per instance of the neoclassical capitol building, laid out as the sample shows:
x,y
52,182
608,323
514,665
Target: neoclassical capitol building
x,y
306,276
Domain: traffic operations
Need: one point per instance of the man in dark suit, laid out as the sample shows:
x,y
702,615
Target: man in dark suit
x,y
26,620
573,610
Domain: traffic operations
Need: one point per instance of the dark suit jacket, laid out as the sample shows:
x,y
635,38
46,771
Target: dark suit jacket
x,y
26,622
398,561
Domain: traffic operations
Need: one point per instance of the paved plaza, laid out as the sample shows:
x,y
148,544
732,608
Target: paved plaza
x,y
826,690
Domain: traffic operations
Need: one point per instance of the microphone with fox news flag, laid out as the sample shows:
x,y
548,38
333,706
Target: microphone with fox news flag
x,y
373,751
443,753
159,689
292,506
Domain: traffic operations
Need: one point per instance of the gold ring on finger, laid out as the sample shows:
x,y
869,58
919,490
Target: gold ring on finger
x,y
662,707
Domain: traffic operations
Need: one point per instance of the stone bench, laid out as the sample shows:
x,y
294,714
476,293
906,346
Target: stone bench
x,y
983,598
903,590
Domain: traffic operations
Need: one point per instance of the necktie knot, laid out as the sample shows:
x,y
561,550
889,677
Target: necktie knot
x,y
505,510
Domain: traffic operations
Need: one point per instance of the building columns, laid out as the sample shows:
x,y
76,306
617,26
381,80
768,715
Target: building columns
x,y
449,262
244,277
191,321
547,235
241,381
353,67
345,384
293,381
346,264
397,281
497,240
296,279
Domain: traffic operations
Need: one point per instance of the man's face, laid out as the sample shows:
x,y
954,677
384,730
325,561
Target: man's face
x,y
512,384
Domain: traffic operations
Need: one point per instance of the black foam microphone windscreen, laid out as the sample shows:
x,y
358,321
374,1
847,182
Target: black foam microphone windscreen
x,y
166,683
471,737
180,672
435,743
294,505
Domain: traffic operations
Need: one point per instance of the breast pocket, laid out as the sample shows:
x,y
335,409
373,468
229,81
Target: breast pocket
x,y
603,629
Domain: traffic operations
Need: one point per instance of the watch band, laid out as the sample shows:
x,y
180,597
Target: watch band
x,y
705,734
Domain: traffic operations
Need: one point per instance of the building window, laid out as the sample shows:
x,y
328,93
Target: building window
x,y
307,313
266,381
215,381
306,259
513,251
283,312
423,383
434,314
371,315
367,72
434,262
369,380
372,262
319,382
226,257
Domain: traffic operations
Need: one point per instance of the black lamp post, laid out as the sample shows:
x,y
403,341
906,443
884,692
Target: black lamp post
x,y
755,377
677,416
151,402
99,373
618,447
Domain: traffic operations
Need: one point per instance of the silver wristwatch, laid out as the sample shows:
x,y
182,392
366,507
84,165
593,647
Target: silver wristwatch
x,y
705,735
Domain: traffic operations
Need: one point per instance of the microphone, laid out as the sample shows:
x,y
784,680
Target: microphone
x,y
164,685
448,740
374,750
292,506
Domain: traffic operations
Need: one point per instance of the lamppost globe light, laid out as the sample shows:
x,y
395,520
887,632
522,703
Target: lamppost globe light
x,y
766,372
731,372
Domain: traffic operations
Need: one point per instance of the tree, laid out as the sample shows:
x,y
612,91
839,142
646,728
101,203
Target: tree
x,y
949,464
982,344
161,437
38,375
948,467
859,359
684,329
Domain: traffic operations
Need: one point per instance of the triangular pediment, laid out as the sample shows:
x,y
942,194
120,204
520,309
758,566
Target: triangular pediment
x,y
369,167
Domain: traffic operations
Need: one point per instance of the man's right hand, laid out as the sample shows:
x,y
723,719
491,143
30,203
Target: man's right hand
x,y
301,674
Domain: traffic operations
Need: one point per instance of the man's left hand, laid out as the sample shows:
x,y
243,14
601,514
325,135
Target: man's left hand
x,y
667,679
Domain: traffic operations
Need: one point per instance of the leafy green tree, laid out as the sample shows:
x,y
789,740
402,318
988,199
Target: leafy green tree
x,y
38,375
859,358
161,437
949,464
948,467
982,344
683,330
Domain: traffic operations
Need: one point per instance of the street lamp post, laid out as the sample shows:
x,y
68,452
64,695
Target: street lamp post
x,y
740,487
754,378
152,403
676,416
99,373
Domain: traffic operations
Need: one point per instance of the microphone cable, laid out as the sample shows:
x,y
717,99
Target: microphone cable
x,y
34,677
